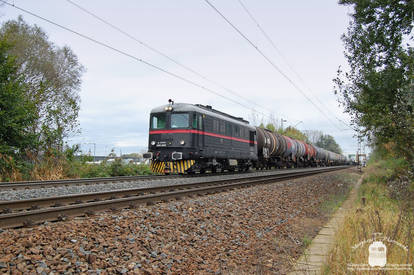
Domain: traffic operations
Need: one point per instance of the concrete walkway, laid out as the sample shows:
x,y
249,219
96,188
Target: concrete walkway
x,y
316,254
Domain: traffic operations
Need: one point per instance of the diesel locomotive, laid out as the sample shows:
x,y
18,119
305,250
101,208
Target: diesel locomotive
x,y
189,138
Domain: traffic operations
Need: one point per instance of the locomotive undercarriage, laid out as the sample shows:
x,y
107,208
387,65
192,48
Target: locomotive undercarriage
x,y
203,165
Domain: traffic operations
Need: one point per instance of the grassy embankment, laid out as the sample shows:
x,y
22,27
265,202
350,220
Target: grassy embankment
x,y
384,206
51,168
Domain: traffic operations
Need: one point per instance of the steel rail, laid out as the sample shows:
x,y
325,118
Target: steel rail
x,y
87,203
82,181
7,206
18,185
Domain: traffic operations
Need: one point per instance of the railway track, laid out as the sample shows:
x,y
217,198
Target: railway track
x,y
29,212
19,185
69,182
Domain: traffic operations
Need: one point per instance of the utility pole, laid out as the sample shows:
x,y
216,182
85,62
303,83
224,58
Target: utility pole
x,y
94,150
281,122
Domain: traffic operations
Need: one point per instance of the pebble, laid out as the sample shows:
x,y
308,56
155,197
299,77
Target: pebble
x,y
230,232
100,187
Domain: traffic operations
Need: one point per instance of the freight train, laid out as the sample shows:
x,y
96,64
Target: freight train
x,y
189,138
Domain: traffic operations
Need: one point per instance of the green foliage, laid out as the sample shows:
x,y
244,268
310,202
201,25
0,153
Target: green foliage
x,y
295,133
16,110
393,173
16,115
377,90
113,169
52,79
271,127
328,142
306,241
383,166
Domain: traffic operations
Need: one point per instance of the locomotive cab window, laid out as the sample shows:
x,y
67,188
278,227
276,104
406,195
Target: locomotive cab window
x,y
179,121
158,121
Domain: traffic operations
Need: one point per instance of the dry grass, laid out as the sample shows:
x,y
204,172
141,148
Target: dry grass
x,y
49,169
8,169
374,212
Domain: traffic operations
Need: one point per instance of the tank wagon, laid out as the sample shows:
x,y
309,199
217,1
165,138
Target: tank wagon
x,y
189,138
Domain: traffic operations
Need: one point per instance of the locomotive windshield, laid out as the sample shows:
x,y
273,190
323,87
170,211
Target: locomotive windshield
x,y
179,120
158,121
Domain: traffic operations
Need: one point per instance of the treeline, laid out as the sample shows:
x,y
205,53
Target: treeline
x,y
39,107
378,89
39,100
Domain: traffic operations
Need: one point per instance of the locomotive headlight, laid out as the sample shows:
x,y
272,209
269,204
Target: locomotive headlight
x,y
153,142
182,142
168,108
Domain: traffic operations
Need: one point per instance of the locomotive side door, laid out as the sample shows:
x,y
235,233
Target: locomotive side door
x,y
198,125
200,128
252,140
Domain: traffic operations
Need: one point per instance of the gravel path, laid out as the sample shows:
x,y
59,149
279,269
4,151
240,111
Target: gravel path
x,y
66,190
245,231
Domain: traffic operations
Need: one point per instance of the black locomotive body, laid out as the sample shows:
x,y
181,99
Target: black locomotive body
x,y
186,138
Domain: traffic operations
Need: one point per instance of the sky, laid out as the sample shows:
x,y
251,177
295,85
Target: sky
x,y
118,92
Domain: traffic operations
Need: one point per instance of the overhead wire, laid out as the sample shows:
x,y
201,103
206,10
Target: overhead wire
x,y
153,49
174,75
273,44
270,62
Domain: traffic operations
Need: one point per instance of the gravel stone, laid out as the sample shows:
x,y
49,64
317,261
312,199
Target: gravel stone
x,y
243,231
100,187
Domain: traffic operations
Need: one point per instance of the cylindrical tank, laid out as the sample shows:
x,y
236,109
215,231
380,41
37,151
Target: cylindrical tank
x,y
283,146
267,143
321,154
271,144
306,156
312,151
301,149
291,147
275,144
263,142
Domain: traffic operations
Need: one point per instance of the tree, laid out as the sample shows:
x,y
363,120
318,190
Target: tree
x,y
313,135
328,142
377,90
294,133
271,127
52,76
17,113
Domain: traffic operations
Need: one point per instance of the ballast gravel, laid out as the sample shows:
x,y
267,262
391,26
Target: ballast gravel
x,y
259,229
25,194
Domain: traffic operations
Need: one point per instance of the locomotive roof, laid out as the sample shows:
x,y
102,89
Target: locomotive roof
x,y
186,107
